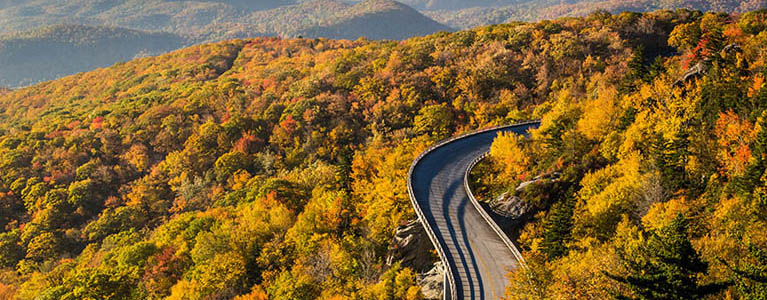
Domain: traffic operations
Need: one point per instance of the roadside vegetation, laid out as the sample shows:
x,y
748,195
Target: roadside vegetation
x,y
662,186
276,168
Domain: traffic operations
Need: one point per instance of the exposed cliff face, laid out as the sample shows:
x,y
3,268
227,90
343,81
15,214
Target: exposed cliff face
x,y
513,207
432,281
412,248
510,206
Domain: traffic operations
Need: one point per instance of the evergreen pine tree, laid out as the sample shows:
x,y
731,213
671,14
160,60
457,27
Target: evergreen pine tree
x,y
668,267
670,158
557,228
751,278
636,71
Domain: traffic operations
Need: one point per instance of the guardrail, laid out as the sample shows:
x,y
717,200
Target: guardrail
x,y
487,216
429,232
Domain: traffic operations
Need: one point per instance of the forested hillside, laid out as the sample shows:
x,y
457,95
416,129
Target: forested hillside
x,y
37,24
649,185
468,14
215,20
276,168
52,52
373,19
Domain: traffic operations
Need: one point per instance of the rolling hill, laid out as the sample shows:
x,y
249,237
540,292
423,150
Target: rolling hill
x,y
497,12
215,20
458,4
51,52
272,168
156,26
374,19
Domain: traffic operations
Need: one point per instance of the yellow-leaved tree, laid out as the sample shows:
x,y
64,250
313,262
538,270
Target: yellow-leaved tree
x,y
507,151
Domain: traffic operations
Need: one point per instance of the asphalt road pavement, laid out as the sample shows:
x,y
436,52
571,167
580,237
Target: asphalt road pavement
x,y
478,258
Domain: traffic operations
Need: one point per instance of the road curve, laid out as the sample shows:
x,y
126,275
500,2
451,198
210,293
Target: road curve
x,y
477,258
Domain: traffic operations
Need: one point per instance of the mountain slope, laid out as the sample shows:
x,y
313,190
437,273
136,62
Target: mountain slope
x,y
277,168
56,51
51,52
527,10
376,19
216,20
457,4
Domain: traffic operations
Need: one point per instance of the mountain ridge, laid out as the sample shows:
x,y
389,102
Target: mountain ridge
x,y
177,25
54,51
384,14
209,21
273,168
533,10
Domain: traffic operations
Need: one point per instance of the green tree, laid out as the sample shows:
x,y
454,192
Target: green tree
x,y
668,267
435,120
750,278
98,284
231,162
83,195
11,250
44,247
557,229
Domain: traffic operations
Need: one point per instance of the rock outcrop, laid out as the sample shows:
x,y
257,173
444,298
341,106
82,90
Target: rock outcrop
x,y
696,71
701,67
412,248
511,207
431,282
551,176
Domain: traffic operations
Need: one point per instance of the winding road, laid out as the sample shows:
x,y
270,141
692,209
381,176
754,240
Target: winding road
x,y
477,255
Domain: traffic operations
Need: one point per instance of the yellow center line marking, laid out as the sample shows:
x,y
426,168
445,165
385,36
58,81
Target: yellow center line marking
x,y
487,271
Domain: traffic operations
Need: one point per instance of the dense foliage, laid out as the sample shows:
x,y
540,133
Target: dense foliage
x,y
281,161
469,14
45,53
661,192
270,168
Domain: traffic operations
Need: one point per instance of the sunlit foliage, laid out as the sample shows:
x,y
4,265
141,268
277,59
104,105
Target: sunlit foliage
x,y
664,170
272,168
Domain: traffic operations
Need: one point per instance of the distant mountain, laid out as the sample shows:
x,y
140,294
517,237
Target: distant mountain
x,y
54,51
375,19
499,12
458,4
57,50
221,19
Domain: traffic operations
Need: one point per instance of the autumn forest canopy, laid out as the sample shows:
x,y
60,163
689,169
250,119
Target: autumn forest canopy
x,y
44,40
273,168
